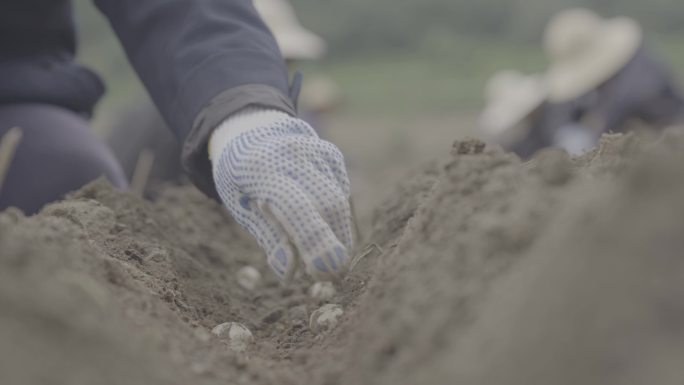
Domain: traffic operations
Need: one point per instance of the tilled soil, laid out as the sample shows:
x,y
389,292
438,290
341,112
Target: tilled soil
x,y
494,271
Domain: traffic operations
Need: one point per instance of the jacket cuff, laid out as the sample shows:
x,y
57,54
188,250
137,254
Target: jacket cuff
x,y
195,155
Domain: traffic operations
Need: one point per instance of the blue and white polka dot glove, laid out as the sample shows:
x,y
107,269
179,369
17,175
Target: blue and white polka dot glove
x,y
288,188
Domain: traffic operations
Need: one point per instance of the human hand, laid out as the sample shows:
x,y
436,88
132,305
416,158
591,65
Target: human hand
x,y
288,188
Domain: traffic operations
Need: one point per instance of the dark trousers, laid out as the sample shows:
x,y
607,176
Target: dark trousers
x,y
58,153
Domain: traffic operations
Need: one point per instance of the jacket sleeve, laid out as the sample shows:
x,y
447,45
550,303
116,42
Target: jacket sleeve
x,y
200,60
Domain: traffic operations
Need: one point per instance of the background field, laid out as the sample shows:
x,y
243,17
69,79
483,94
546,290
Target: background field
x,y
411,72
403,58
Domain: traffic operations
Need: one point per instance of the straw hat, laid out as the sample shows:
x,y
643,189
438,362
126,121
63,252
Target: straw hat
x,y
319,93
511,98
295,42
586,50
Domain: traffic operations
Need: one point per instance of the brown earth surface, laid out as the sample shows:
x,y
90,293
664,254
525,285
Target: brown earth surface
x,y
494,271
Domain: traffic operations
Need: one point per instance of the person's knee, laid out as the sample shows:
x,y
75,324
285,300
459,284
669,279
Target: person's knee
x,y
58,153
92,157
83,162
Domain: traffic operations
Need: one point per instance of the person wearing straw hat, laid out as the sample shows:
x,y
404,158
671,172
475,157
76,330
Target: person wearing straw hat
x,y
319,94
518,118
216,74
295,41
604,66
514,103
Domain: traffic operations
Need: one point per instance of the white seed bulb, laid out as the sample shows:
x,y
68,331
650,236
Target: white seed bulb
x,y
248,277
236,334
325,318
322,290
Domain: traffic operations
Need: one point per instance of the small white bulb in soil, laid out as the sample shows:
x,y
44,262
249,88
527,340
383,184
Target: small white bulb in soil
x,y
322,290
325,318
249,278
236,334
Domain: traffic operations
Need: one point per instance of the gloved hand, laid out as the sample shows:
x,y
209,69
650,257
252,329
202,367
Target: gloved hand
x,y
288,188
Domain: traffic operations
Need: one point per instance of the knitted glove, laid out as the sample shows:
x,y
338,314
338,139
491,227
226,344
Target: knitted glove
x,y
288,188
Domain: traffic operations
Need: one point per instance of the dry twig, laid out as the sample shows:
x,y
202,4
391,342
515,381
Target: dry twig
x,y
142,172
8,146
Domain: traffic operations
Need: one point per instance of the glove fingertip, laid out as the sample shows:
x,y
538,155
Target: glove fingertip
x,y
283,263
332,264
342,255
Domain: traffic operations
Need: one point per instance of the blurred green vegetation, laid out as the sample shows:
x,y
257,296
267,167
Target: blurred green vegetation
x,y
401,57
426,80
100,50
444,81
361,26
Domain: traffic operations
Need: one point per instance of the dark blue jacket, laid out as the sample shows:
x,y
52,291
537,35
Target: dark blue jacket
x,y
200,60
644,89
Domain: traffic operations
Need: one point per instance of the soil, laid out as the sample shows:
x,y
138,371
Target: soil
x,y
495,271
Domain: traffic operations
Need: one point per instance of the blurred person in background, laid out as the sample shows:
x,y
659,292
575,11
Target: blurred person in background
x,y
602,78
320,94
512,115
142,128
216,74
518,117
606,75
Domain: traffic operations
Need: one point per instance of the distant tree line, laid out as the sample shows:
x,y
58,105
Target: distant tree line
x,y
367,26
362,26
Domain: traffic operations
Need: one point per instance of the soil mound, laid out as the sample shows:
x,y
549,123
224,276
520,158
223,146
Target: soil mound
x,y
494,271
